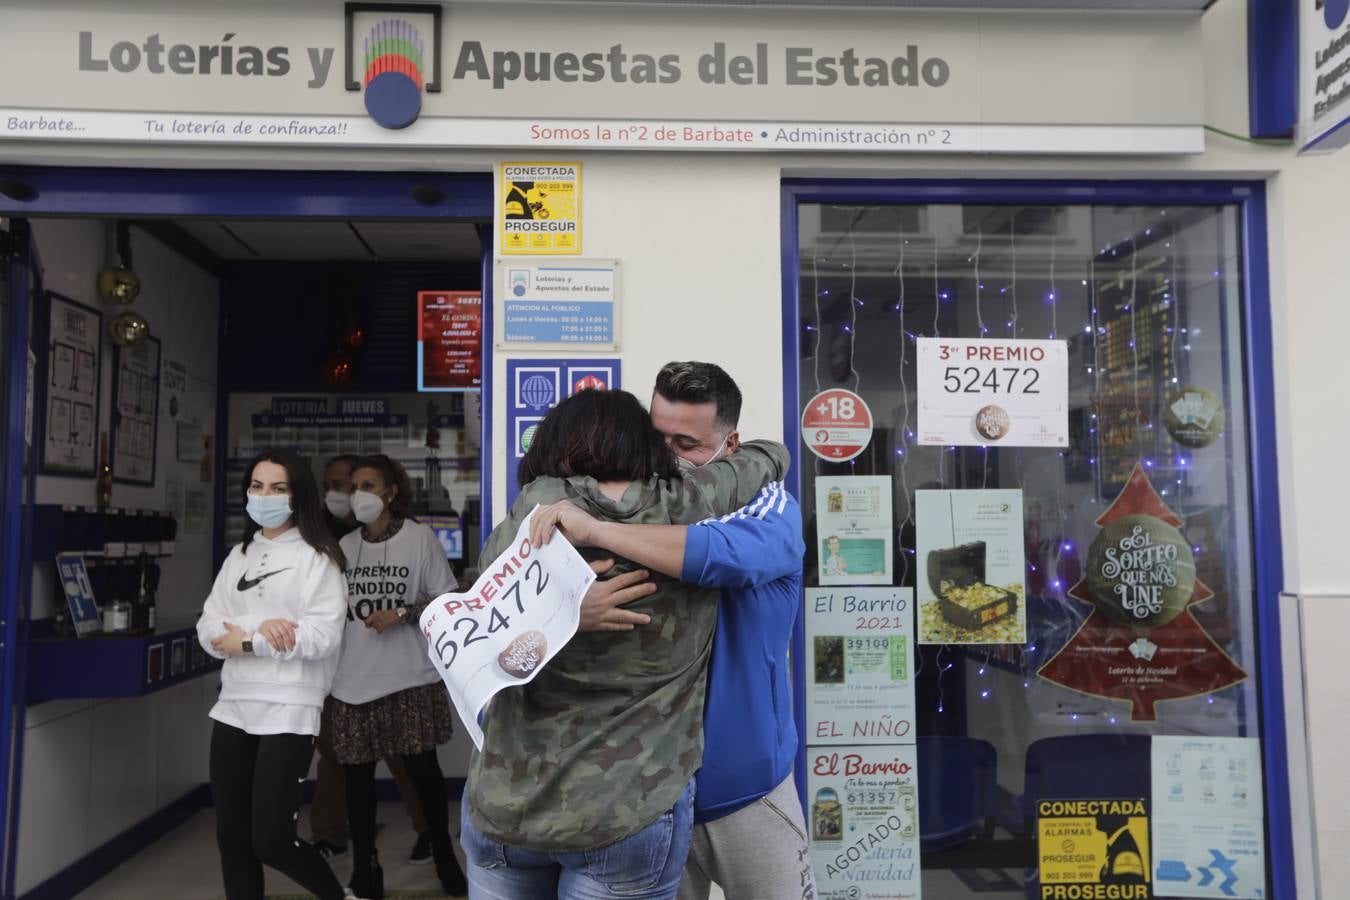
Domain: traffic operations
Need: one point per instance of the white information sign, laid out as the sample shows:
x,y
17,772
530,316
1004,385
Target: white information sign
x,y
517,616
1324,75
864,822
1208,836
993,392
572,303
853,528
861,687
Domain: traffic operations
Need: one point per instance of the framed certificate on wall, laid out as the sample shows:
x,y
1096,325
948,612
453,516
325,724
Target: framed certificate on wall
x,y
71,380
135,414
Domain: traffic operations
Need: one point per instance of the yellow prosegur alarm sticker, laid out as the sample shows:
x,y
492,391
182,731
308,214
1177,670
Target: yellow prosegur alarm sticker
x,y
539,210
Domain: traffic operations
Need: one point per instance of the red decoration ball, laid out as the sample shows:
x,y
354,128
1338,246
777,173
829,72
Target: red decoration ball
x,y
354,337
337,372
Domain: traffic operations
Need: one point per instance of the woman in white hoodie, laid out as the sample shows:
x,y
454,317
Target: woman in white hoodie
x,y
275,615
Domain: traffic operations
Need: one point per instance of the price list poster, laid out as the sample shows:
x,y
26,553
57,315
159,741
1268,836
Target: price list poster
x,y
449,341
862,779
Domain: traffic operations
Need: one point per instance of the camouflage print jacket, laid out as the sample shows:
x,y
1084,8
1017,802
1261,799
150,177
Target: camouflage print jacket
x,y
605,738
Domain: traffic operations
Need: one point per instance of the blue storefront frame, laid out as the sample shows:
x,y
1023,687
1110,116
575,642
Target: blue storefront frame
x,y
182,193
1249,198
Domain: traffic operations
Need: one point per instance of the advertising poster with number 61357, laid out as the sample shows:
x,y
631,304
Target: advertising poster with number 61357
x,y
519,613
977,392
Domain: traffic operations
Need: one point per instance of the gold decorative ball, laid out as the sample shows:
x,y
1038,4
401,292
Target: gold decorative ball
x,y
119,285
128,327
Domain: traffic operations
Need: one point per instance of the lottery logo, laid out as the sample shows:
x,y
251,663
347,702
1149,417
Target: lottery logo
x,y
394,54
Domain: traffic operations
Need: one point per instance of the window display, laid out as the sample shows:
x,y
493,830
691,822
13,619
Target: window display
x,y
1112,602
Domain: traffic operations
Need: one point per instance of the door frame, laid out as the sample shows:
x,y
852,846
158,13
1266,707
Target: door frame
x,y
88,192
1249,198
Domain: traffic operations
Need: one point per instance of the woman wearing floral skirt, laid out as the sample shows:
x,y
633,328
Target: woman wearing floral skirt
x,y
387,698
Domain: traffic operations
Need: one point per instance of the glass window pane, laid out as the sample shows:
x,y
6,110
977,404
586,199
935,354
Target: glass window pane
x,y
1147,299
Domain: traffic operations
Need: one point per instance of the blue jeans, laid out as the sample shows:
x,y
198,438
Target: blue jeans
x,y
645,866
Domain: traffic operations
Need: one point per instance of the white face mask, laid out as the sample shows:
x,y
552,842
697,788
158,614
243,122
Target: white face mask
x,y
686,464
366,506
339,503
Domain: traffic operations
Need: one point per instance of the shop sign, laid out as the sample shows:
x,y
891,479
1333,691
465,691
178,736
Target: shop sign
x,y
1208,817
1140,643
314,411
836,425
1096,848
449,340
993,392
864,822
539,209
500,633
861,645
853,527
314,74
1324,74
573,305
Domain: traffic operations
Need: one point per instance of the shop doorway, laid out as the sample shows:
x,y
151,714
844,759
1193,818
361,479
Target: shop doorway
x,y
311,336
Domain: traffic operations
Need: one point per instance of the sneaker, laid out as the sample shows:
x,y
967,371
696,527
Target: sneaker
x,y
348,895
329,850
421,851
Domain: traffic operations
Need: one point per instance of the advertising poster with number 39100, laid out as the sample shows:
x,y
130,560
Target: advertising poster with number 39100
x,y
519,613
979,392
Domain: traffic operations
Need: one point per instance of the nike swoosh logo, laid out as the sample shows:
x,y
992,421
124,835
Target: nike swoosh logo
x,y
248,584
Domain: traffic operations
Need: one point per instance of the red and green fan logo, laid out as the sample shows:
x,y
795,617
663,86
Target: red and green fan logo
x,y
393,54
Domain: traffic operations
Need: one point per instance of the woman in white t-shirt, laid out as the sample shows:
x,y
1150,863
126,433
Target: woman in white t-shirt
x,y
387,698
275,615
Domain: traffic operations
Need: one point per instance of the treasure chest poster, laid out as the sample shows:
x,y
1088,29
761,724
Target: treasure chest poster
x,y
1141,643
864,822
971,561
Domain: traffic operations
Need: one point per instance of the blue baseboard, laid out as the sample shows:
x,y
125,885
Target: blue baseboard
x,y
82,873
88,869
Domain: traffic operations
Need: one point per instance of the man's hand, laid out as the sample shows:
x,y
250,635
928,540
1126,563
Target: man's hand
x,y
600,607
577,526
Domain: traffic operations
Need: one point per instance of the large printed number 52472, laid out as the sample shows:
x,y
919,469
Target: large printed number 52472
x,y
444,644
997,380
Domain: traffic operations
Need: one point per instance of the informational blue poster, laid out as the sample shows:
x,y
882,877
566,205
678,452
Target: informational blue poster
x,y
534,386
79,593
1208,834
557,304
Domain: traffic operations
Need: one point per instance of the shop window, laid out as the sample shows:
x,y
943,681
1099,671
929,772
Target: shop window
x,y
1147,301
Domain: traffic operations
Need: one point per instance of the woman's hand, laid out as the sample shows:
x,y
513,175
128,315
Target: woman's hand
x,y
381,619
231,643
577,525
280,634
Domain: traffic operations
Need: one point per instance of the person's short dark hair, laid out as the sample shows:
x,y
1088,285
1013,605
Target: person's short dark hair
x,y
607,435
701,382
393,473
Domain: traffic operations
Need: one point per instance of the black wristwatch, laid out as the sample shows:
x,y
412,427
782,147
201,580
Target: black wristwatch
x,y
402,613
247,647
